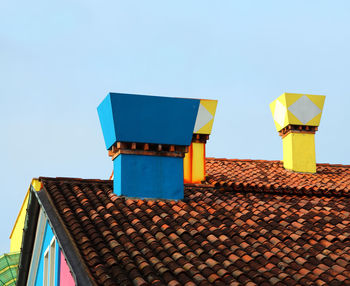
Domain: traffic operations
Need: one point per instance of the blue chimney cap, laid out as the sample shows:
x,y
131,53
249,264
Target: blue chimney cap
x,y
147,119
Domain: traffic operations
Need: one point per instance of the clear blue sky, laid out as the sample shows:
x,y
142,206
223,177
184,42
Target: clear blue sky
x,y
59,59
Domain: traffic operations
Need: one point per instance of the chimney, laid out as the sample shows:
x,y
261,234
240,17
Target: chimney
x,y
147,138
194,162
297,117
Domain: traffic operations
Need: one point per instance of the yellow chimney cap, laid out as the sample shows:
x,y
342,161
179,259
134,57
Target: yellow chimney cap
x,y
205,116
297,109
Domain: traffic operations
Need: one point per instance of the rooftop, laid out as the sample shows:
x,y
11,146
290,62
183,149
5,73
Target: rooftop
x,y
251,221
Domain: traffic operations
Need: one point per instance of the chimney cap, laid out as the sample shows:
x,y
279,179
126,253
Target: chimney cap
x,y
205,116
147,119
297,109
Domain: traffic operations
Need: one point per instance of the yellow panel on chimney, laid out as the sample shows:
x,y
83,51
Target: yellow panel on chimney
x,y
297,109
205,116
198,162
194,164
188,166
279,112
299,152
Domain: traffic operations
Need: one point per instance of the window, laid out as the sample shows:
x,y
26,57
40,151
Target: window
x,y
46,265
49,264
52,262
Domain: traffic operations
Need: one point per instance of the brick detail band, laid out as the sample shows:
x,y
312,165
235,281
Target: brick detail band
x,y
147,149
297,129
200,138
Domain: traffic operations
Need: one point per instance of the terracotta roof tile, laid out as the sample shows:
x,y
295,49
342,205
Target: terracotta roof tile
x,y
270,176
273,231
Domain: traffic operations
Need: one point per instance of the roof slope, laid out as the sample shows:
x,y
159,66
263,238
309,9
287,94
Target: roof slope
x,y
214,236
270,176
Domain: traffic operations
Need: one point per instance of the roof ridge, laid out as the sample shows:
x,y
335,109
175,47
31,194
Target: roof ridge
x,y
333,165
242,160
73,179
272,161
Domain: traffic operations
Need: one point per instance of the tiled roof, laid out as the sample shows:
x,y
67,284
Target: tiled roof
x,y
270,176
215,236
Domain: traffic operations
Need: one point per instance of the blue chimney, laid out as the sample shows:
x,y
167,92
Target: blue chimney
x,y
147,138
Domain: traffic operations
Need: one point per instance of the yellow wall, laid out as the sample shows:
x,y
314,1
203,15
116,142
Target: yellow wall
x,y
299,152
17,231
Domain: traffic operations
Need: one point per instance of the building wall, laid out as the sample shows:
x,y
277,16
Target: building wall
x,y
43,238
39,281
66,278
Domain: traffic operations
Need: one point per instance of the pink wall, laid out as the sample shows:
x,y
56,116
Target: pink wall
x,y
66,278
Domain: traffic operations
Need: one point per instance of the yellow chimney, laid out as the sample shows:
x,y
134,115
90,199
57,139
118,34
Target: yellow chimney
x,y
194,161
297,117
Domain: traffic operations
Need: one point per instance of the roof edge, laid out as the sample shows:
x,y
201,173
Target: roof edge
x,y
28,238
82,275
74,179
